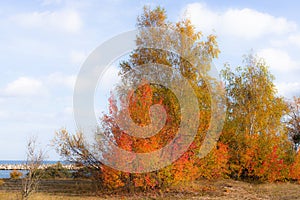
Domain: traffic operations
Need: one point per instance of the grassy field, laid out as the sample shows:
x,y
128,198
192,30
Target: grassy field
x,y
221,189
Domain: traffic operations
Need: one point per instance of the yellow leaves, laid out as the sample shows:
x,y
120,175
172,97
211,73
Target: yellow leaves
x,y
295,168
112,178
212,45
150,17
254,127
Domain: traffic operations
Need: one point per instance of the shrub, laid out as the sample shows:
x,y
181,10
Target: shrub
x,y
15,174
55,171
295,168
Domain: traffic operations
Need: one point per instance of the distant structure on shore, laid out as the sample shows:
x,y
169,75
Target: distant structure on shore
x,y
25,167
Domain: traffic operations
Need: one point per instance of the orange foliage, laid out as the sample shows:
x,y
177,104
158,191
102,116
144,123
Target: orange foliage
x,y
188,167
273,168
215,164
295,168
112,178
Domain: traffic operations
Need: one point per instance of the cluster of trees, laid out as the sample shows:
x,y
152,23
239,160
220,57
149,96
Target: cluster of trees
x,y
260,136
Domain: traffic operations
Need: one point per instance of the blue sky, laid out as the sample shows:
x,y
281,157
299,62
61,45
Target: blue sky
x,y
45,42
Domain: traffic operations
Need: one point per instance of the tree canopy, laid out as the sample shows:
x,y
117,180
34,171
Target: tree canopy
x,y
255,142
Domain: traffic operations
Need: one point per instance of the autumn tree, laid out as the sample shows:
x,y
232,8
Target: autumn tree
x,y
192,61
254,143
254,131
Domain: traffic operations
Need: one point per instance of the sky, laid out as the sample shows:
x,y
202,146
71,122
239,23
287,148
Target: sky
x,y
45,42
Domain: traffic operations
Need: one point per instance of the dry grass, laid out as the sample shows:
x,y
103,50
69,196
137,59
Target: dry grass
x,y
221,189
43,196
234,190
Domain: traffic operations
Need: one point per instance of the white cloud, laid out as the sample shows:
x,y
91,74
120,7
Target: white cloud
x,y
288,89
204,18
295,39
64,20
243,23
239,30
278,60
27,87
253,24
290,40
59,79
24,86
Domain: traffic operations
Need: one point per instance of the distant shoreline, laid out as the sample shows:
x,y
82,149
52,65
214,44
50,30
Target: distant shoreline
x,y
26,167
21,165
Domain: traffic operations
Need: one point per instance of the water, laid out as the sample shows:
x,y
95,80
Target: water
x,y
6,173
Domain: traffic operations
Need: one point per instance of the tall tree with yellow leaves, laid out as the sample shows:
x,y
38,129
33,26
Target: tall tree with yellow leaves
x,y
254,130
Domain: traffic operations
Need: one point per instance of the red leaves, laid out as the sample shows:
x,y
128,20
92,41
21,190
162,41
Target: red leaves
x,y
273,168
145,181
